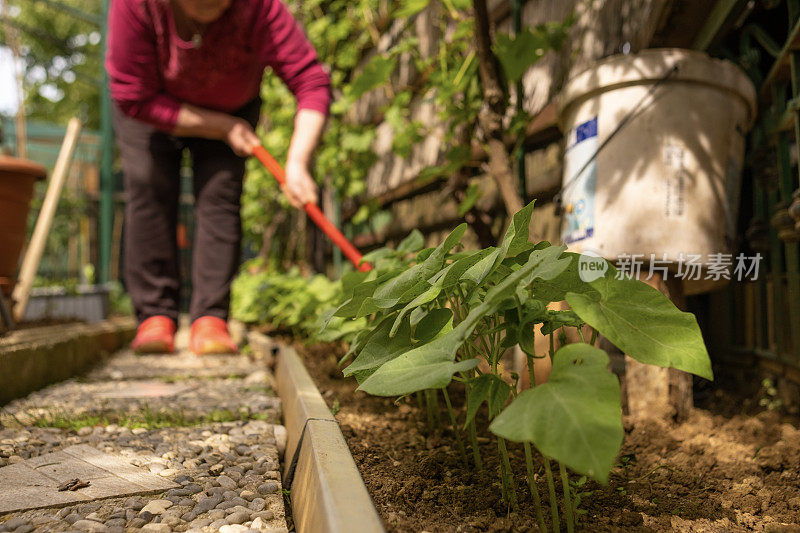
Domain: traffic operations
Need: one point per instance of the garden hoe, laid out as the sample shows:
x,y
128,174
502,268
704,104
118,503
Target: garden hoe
x,y
315,213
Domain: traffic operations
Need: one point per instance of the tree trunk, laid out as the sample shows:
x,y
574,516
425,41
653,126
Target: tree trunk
x,y
479,220
269,234
490,118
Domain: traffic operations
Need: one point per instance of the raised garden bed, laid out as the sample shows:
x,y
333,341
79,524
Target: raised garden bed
x,y
453,440
718,471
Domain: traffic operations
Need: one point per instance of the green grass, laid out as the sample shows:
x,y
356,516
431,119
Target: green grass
x,y
181,379
146,418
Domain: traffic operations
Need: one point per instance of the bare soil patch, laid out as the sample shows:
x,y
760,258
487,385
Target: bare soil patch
x,y
715,472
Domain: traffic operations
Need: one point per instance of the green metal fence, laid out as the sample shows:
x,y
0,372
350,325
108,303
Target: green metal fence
x,y
762,318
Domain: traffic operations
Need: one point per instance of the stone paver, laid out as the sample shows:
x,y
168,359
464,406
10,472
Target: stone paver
x,y
204,424
35,483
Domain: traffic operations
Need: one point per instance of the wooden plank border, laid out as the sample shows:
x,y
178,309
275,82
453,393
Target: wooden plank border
x,y
327,492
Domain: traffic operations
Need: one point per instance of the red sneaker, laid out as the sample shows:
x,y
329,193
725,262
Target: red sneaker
x,y
209,335
155,335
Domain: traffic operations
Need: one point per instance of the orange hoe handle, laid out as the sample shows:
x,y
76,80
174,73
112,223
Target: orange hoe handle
x,y
314,213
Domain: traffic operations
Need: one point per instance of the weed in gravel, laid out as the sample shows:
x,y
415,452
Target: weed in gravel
x,y
146,418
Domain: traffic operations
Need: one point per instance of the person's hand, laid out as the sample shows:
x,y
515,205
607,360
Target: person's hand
x,y
300,188
241,137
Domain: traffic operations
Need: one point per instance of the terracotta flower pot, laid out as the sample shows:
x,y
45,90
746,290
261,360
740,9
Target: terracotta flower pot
x,y
17,177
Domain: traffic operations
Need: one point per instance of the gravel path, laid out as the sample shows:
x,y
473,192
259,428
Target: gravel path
x,y
208,424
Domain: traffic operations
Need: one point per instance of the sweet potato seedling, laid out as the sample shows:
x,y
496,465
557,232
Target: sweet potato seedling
x,y
430,316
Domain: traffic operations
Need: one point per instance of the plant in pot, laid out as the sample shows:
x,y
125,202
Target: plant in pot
x,y
17,180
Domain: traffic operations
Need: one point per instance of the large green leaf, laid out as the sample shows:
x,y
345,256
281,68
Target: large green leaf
x,y
643,323
518,232
397,287
556,289
463,263
375,74
381,347
488,388
515,240
361,293
478,272
575,417
517,53
431,365
427,296
435,323
413,243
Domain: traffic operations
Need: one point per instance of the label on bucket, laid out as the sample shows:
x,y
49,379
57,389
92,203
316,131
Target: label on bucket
x,y
579,189
675,178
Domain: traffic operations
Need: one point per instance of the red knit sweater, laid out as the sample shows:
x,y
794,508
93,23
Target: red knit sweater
x,y
152,70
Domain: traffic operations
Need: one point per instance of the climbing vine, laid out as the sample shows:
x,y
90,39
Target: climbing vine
x,y
366,44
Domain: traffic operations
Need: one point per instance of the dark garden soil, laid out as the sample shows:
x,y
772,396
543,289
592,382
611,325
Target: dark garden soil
x,y
716,472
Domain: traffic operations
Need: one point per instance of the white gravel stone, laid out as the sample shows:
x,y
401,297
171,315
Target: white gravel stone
x,y
157,506
90,525
234,528
157,528
216,524
248,495
209,460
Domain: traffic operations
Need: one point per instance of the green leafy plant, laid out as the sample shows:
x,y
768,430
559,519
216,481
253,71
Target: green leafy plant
x,y
286,300
380,73
437,315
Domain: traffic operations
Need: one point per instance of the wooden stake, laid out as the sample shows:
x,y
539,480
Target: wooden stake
x,y
30,264
652,391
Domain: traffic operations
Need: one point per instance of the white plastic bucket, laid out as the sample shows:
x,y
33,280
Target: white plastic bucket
x,y
666,184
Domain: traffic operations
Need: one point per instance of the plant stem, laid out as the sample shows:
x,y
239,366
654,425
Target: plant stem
x,y
459,443
537,500
506,475
580,332
473,436
473,439
551,489
531,372
437,410
429,408
567,498
594,337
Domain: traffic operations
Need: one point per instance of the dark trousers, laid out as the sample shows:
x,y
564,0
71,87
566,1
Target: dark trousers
x,y
151,162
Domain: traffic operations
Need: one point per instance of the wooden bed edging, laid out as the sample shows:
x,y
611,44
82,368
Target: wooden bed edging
x,y
327,492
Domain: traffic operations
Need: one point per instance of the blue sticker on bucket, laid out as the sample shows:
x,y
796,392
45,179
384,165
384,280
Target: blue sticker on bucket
x,y
586,130
579,189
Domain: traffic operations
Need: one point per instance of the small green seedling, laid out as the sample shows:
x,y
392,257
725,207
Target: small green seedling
x,y
434,315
